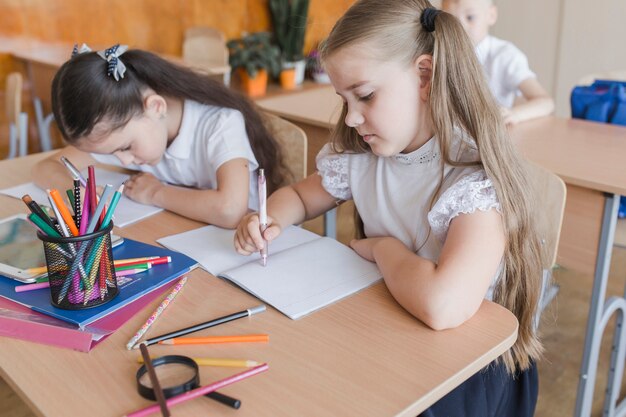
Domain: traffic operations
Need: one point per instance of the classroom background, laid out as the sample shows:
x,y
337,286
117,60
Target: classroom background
x,y
565,40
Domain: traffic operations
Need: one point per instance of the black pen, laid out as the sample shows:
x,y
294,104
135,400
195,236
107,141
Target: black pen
x,y
245,313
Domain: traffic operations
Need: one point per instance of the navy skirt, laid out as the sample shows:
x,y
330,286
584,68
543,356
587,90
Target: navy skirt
x,y
492,392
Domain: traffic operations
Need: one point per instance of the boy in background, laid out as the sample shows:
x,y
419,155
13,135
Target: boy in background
x,y
506,67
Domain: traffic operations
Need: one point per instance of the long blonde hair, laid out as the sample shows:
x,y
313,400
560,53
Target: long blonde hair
x,y
459,98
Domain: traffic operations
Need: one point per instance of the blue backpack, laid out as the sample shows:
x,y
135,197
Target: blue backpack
x,y
603,101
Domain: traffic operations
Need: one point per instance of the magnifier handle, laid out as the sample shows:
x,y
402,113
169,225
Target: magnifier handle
x,y
224,399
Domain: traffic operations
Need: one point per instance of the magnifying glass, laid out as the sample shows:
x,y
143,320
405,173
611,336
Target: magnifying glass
x,y
176,374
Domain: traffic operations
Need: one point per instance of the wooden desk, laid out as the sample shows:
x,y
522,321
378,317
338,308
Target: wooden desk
x,y
316,111
362,356
589,157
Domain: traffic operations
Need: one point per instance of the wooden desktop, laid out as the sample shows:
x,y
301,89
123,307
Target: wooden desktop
x,y
588,156
364,355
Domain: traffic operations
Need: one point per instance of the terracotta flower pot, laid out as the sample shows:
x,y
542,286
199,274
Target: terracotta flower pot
x,y
253,87
288,78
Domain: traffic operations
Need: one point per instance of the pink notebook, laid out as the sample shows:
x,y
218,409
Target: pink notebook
x,y
23,323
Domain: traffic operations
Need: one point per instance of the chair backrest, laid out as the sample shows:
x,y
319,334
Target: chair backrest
x,y
293,143
13,104
550,192
205,47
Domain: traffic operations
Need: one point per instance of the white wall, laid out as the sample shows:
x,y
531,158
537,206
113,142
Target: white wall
x,y
565,39
533,26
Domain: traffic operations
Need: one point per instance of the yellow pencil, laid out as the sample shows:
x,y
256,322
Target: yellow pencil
x,y
233,363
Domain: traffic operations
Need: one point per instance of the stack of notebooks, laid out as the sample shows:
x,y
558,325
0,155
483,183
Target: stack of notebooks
x,y
30,315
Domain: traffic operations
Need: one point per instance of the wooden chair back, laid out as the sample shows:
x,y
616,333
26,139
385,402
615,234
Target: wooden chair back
x,y
293,142
205,47
550,193
13,103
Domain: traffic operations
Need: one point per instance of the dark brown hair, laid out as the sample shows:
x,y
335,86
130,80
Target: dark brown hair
x,y
84,95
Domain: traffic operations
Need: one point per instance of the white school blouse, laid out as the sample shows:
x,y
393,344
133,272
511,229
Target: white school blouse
x,y
505,66
393,194
208,137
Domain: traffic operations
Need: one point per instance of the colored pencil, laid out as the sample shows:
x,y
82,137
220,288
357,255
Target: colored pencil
x,y
198,392
70,198
156,313
220,320
224,362
136,266
244,338
61,222
31,287
114,200
156,386
129,260
130,272
155,261
45,227
65,213
95,214
84,217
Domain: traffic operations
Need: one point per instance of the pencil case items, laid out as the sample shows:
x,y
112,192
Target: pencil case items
x,y
80,269
603,101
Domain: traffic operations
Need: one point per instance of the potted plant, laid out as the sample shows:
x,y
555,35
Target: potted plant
x,y
253,57
289,20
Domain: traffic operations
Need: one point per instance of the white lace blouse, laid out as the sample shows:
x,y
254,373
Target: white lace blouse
x,y
393,194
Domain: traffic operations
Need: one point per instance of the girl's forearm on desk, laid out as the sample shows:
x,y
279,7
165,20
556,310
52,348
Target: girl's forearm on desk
x,y
209,206
419,287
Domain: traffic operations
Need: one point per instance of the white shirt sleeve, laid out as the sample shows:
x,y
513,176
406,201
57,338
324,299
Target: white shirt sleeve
x,y
333,168
226,138
471,192
517,69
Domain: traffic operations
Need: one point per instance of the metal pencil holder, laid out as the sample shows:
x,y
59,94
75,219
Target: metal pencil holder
x,y
80,269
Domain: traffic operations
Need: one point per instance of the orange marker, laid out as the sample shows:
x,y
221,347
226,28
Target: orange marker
x,y
216,339
65,213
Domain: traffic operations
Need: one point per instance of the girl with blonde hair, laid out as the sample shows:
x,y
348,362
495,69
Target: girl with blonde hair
x,y
422,150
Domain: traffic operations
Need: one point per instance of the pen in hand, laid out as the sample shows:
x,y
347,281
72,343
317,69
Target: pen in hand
x,y
263,212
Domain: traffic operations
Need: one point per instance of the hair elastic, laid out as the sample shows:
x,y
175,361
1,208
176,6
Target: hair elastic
x,y
112,55
77,51
427,19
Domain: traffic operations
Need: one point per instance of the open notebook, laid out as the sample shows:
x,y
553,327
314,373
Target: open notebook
x,y
305,272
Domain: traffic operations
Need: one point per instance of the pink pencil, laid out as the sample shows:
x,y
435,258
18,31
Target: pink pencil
x,y
30,287
129,272
198,392
84,218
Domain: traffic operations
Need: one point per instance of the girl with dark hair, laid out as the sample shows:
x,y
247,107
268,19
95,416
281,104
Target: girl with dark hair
x,y
196,143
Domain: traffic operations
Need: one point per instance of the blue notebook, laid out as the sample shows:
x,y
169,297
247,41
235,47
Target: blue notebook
x,y
131,287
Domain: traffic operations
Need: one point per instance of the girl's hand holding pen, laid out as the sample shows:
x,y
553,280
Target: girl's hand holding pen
x,y
248,238
142,188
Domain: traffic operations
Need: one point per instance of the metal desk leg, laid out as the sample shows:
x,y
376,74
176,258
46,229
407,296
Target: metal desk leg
x,y
43,125
330,223
596,316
